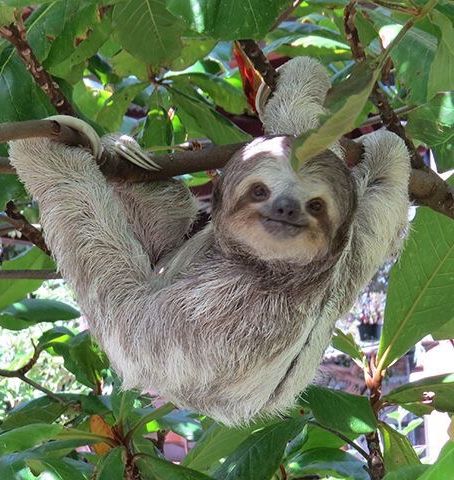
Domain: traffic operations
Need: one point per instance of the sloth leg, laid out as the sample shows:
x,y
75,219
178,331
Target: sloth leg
x,y
160,214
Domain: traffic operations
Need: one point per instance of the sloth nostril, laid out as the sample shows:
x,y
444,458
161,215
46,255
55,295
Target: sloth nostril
x,y
280,211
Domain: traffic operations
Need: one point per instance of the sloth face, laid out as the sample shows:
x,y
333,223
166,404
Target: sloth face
x,y
276,213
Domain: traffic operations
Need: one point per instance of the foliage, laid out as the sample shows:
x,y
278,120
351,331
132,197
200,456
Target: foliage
x,y
163,70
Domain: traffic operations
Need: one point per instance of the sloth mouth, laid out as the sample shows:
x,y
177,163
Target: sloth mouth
x,y
283,227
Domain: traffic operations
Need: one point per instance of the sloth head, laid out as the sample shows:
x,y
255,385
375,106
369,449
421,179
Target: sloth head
x,y
261,206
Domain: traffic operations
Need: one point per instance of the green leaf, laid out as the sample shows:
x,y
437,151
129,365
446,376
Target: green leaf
x,y
111,465
420,298
445,332
327,461
157,130
33,259
164,470
397,450
341,411
194,48
193,109
433,124
343,107
6,15
58,469
123,403
410,472
47,23
260,454
38,410
111,115
20,97
224,94
412,56
443,467
33,310
94,41
83,357
426,395
441,75
229,20
346,343
148,31
27,436
10,188
216,443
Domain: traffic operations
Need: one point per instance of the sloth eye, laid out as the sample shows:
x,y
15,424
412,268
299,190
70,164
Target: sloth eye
x,y
315,206
259,192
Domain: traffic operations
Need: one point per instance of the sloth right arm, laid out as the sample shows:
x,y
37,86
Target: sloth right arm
x,y
96,251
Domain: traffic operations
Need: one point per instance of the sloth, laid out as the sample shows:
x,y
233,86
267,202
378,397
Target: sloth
x,y
233,321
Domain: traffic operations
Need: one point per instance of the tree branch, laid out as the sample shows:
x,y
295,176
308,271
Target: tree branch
x,y
29,275
21,374
426,188
20,223
16,35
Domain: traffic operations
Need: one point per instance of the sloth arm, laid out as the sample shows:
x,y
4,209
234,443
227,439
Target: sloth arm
x,y
382,213
95,249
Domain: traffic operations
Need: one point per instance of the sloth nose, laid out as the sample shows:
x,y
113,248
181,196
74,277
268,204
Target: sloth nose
x,y
286,208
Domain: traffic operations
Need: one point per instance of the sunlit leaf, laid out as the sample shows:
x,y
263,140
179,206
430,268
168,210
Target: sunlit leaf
x,y
420,297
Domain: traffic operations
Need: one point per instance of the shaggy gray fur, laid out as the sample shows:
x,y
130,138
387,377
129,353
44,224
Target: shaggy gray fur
x,y
231,323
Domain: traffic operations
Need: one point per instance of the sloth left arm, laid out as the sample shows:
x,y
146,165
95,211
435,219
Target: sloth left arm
x,y
382,213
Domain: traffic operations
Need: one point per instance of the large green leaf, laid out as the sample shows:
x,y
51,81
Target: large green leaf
x,y
397,450
433,124
34,310
11,291
194,110
341,411
47,23
217,442
27,436
148,31
10,188
420,297
38,410
409,472
343,110
444,466
111,114
111,465
426,395
327,461
260,454
57,469
224,94
441,75
164,470
20,97
231,20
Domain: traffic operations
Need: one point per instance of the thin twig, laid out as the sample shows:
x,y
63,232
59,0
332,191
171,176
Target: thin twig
x,y
20,223
21,374
351,32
